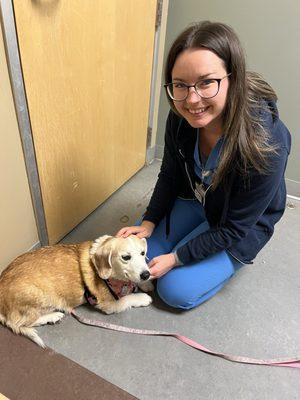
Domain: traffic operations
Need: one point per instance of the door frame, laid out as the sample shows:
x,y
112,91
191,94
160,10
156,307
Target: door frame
x,y
20,101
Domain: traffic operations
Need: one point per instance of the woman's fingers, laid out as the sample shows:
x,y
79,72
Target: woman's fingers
x,y
121,232
143,234
161,265
152,263
141,231
130,230
155,271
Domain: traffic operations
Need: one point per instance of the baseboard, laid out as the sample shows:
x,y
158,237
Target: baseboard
x,y
293,187
150,155
35,246
159,152
154,153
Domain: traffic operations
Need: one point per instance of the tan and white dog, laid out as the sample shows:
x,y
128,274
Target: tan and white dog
x,y
39,286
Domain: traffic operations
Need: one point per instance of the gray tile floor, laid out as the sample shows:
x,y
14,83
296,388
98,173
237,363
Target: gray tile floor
x,y
256,315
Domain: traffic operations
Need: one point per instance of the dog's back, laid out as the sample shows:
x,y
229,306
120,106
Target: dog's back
x,y
39,282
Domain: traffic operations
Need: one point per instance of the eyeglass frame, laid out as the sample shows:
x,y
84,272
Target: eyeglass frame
x,y
166,85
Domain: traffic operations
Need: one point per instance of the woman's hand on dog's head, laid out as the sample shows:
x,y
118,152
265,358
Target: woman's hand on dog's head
x,y
143,231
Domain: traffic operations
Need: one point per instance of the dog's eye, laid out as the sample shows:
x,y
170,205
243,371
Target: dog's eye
x,y
142,253
126,258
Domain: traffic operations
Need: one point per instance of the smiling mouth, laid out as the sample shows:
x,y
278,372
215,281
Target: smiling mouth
x,y
197,111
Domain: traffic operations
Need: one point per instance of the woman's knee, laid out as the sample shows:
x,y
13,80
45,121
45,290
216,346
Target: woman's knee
x,y
173,298
170,291
188,286
185,300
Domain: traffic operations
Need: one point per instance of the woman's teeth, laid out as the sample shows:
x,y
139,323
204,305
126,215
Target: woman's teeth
x,y
197,111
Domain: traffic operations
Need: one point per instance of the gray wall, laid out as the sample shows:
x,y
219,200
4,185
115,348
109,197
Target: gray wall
x,y
270,34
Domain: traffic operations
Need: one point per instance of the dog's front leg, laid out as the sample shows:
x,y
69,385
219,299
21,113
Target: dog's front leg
x,y
125,303
146,286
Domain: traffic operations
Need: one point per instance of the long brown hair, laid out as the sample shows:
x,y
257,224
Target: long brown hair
x,y
246,145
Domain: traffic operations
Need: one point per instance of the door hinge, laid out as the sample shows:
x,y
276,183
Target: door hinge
x,y
159,8
149,136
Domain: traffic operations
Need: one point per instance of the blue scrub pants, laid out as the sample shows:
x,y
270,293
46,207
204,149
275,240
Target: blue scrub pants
x,y
189,285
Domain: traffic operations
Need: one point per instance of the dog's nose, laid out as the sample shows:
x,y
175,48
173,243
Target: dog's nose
x,y
145,275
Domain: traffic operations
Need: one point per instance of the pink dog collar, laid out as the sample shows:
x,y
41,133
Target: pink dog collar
x,y
120,288
117,288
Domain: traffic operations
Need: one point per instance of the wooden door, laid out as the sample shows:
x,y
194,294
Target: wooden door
x,y
87,70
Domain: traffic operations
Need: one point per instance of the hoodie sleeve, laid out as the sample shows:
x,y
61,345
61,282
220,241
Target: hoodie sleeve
x,y
164,193
247,203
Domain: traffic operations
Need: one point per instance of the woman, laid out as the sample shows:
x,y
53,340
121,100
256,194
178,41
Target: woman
x,y
221,187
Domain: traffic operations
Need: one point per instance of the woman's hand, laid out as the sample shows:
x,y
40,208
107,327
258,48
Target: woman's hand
x,y
143,231
160,265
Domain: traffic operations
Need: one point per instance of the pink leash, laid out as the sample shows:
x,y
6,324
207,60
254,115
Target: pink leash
x,y
280,362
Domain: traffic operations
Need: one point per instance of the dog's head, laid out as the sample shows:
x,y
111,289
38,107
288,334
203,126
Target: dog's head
x,y
121,258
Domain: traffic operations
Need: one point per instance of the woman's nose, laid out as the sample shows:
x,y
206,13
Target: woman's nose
x,y
193,96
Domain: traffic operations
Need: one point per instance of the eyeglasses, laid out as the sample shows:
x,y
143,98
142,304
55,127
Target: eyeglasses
x,y
205,88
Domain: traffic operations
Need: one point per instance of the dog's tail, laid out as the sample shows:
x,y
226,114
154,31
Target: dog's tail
x,y
24,330
31,334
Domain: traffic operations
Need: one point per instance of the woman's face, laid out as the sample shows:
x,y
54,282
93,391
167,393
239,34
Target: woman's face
x,y
191,66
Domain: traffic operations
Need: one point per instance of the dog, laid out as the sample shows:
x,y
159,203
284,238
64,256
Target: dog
x,y
40,286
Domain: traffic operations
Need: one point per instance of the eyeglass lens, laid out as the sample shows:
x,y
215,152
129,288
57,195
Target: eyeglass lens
x,y
206,89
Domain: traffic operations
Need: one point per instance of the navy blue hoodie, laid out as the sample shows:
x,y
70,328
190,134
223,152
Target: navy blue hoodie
x,y
241,214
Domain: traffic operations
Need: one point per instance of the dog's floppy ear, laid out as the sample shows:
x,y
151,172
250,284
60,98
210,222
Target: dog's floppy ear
x,y
146,245
102,262
100,253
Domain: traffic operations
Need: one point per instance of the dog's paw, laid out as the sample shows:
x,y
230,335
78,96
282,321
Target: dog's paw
x,y
51,318
146,286
125,303
141,300
55,317
108,308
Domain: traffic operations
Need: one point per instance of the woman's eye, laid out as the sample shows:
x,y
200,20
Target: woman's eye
x,y
142,253
126,258
179,85
206,82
